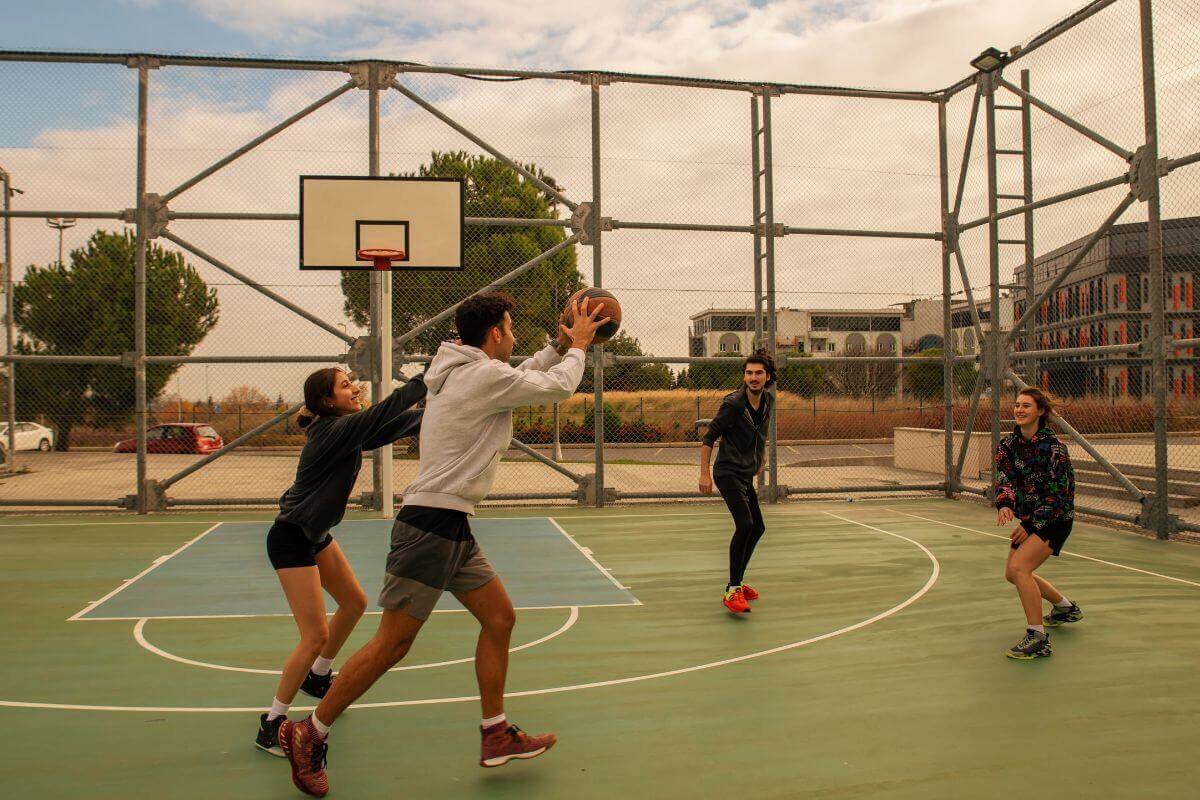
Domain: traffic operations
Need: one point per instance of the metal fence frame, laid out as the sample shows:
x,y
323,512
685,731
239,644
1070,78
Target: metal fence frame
x,y
379,355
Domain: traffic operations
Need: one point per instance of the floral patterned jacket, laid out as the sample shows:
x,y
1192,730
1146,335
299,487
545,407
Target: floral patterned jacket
x,y
1035,478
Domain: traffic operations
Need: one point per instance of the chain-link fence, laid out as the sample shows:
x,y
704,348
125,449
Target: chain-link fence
x,y
909,257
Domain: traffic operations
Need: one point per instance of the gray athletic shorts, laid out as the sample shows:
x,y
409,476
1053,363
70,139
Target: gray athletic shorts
x,y
423,564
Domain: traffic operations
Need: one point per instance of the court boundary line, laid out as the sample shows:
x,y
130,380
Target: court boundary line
x,y
77,616
286,615
139,636
914,597
715,512
1064,552
587,553
94,524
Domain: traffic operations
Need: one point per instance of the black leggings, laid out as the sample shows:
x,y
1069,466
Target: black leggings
x,y
742,501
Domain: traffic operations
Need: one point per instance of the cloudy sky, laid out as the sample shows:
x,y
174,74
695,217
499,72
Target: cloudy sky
x,y
67,134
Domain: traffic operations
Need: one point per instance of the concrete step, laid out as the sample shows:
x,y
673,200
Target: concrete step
x,y
1174,500
1144,470
1145,483
1183,485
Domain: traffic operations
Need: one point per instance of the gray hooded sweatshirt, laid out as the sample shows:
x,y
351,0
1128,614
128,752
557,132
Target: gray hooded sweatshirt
x,y
468,418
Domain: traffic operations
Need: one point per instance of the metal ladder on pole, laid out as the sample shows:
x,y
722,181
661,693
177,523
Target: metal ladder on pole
x,y
1025,153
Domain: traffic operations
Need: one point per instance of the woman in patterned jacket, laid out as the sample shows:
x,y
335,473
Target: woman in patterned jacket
x,y
1035,484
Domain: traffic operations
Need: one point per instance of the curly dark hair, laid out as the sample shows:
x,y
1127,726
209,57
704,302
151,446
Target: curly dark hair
x,y
764,358
479,313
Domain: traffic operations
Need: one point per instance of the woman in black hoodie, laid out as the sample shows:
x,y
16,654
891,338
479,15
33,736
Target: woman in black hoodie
x,y
299,545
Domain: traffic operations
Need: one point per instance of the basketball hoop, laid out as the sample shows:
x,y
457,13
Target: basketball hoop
x,y
382,257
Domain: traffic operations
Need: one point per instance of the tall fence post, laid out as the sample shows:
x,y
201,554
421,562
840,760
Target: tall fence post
x,y
11,381
772,322
381,316
597,281
947,317
756,133
143,501
1158,518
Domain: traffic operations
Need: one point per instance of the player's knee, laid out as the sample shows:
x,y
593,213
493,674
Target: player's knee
x,y
502,621
396,647
315,639
356,604
1012,572
759,529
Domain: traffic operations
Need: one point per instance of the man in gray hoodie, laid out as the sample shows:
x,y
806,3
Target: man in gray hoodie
x,y
466,429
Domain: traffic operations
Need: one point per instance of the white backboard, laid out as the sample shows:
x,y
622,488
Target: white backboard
x,y
339,215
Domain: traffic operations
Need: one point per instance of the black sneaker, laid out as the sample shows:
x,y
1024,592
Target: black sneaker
x,y
1034,645
317,685
268,735
1061,616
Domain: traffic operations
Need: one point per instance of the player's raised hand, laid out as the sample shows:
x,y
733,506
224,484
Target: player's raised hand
x,y
584,324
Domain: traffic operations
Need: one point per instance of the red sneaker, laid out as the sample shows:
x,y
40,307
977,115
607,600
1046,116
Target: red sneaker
x,y
750,594
503,742
735,601
306,753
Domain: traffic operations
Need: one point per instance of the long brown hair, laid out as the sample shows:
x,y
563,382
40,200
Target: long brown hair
x,y
1044,403
318,391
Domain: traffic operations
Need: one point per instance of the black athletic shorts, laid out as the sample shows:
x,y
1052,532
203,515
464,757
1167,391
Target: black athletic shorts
x,y
1054,534
287,546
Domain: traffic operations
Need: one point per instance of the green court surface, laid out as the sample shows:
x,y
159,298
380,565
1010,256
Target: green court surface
x,y
872,666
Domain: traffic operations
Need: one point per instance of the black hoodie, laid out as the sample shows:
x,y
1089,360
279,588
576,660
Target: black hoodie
x,y
332,457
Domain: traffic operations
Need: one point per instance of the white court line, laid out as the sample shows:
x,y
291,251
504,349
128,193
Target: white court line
x,y
140,637
587,553
619,517
366,613
930,581
1064,552
93,524
157,562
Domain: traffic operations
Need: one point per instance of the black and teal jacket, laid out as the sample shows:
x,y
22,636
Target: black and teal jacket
x,y
743,435
1035,478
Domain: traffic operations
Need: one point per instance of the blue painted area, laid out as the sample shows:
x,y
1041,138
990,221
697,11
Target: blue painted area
x,y
227,572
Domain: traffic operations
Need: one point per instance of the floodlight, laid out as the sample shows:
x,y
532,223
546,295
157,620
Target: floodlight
x,y
989,60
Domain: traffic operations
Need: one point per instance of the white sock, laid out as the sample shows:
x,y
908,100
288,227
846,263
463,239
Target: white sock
x,y
1036,628
322,666
487,723
1063,603
278,709
322,728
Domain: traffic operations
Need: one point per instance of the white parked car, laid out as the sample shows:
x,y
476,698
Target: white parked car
x,y
29,435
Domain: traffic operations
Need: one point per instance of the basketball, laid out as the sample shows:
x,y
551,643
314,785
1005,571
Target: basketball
x,y
609,308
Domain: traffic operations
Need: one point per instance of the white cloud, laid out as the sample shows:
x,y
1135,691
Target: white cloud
x,y
846,43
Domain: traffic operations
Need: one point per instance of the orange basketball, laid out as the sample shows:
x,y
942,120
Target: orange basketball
x,y
609,308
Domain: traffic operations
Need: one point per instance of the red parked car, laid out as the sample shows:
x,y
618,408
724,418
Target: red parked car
x,y
176,437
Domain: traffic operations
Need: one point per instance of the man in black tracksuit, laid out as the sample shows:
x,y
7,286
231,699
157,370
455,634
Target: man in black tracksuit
x,y
741,424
